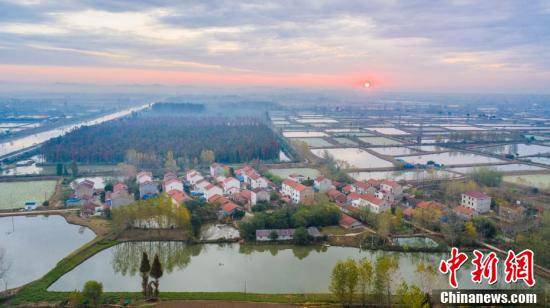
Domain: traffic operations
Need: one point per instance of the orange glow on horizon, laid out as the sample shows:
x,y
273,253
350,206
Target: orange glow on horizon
x,y
113,75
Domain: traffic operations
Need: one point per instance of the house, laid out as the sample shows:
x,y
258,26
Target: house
x,y
348,222
371,203
119,196
231,185
282,234
217,170
84,188
172,184
201,185
169,176
364,187
298,178
148,190
257,181
477,201
463,212
262,194
193,177
212,190
228,209
144,176
347,189
335,196
322,184
178,197
297,192
430,208
392,187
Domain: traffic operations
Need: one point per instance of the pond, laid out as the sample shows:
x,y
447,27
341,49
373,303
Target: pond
x,y
345,141
239,268
379,141
15,194
313,142
540,181
388,131
355,158
414,175
393,151
520,149
34,244
416,242
303,134
451,158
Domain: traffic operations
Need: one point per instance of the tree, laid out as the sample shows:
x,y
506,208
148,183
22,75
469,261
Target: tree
x,y
76,299
92,292
344,280
144,269
207,156
487,228
156,273
412,296
385,268
59,169
301,236
170,163
74,169
487,176
273,235
470,229
365,279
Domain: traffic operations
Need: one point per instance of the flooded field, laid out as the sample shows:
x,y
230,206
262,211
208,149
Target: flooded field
x,y
501,168
379,141
234,267
451,158
33,245
428,148
15,194
517,149
388,131
393,151
355,158
313,142
285,172
540,160
345,141
303,134
415,175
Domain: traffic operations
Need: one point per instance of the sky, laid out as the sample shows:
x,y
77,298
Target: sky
x,y
432,46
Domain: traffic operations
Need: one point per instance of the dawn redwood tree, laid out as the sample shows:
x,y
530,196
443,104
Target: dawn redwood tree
x,y
156,273
144,269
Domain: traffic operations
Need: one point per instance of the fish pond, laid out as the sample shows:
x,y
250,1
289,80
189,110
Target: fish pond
x,y
451,158
414,175
34,244
241,268
354,157
15,194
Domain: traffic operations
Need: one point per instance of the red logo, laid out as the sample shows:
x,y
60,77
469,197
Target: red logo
x,y
520,267
452,265
485,268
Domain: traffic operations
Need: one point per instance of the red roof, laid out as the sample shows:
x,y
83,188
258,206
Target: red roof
x,y
346,220
361,185
246,194
346,189
477,195
177,195
464,210
87,183
166,182
229,207
372,199
294,185
119,187
390,183
430,204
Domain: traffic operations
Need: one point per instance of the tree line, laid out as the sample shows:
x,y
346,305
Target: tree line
x,y
232,140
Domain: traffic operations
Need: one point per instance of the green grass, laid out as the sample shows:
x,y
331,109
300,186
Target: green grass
x,y
15,194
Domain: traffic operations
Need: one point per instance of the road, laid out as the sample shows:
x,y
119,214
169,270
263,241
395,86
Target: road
x,y
45,212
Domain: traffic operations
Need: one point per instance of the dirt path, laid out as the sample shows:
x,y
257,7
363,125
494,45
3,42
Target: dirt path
x,y
219,304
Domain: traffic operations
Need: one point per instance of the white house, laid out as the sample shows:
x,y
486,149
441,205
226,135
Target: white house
x,y
477,201
172,184
257,181
212,190
392,188
231,185
297,192
371,203
296,177
322,184
193,177
144,176
201,185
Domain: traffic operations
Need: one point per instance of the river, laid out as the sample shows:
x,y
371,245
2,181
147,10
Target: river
x,y
22,143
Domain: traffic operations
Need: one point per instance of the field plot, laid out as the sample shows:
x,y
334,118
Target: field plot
x,y
379,141
520,149
388,131
416,175
316,120
303,134
451,158
393,151
501,168
428,148
540,181
313,142
540,160
464,128
15,194
284,173
355,158
345,141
